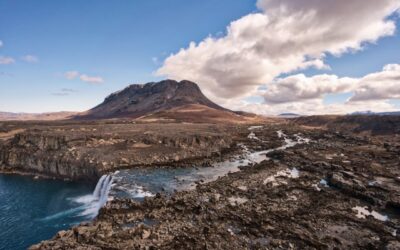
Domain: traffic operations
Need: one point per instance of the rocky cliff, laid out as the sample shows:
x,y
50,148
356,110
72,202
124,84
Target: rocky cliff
x,y
86,151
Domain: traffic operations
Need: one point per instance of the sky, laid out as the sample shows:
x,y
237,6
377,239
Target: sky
x,y
262,56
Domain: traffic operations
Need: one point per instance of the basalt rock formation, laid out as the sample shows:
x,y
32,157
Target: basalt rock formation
x,y
88,150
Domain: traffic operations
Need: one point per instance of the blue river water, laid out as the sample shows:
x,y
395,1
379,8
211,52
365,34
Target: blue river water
x,y
35,210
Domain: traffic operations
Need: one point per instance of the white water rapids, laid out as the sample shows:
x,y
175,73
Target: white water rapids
x,y
140,183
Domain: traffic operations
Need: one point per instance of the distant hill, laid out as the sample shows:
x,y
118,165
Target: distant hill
x,y
8,116
372,124
374,113
289,115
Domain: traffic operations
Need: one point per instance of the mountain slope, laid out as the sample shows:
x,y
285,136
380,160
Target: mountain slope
x,y
139,100
197,113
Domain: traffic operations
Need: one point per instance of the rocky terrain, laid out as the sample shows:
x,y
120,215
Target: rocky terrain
x,y
339,191
366,124
73,150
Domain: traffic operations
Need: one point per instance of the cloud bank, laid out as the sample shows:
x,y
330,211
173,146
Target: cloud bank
x,y
284,37
382,85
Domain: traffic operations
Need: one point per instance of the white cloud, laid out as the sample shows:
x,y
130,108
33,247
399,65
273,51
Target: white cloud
x,y
1,43
6,60
70,75
299,87
91,79
314,107
30,58
382,85
286,36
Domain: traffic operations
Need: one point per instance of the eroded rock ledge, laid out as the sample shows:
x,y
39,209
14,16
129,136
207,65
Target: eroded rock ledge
x,y
86,151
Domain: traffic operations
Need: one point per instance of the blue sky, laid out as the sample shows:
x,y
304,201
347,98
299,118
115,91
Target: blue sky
x,y
114,40
124,42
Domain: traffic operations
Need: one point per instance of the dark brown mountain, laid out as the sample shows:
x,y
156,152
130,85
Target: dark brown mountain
x,y
164,99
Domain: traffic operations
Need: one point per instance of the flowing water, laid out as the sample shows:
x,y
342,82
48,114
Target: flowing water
x,y
139,183
34,210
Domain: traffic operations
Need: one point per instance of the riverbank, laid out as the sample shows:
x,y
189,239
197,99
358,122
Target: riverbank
x,y
33,175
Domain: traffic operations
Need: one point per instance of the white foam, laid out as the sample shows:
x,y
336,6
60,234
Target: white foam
x,y
324,183
135,191
252,136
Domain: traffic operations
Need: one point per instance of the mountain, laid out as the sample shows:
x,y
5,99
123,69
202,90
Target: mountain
x,y
167,99
289,115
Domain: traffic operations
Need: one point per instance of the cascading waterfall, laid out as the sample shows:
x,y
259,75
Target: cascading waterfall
x,y
100,193
97,190
89,204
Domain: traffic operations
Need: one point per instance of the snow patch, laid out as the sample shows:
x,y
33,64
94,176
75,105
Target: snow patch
x,y
362,213
287,173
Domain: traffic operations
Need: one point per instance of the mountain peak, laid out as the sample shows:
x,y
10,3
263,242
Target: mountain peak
x,y
138,100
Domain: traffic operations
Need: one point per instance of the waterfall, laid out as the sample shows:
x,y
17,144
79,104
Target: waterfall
x,y
100,193
96,192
